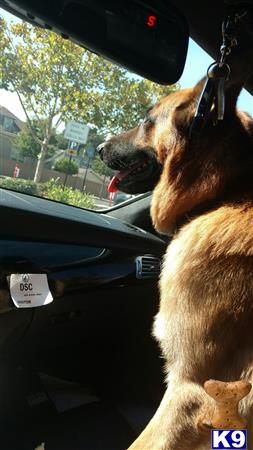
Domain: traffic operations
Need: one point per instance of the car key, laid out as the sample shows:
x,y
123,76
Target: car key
x,y
220,75
220,98
205,103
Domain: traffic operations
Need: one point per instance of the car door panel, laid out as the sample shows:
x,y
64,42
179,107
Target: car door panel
x,y
101,315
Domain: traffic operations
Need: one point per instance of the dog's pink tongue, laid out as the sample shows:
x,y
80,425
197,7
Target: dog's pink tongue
x,y
113,185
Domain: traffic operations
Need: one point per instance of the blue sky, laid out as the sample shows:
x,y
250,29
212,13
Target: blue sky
x,y
196,66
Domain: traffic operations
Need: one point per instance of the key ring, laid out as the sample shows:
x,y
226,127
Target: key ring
x,y
213,93
224,66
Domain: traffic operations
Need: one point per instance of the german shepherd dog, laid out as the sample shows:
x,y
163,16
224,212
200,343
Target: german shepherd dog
x,y
203,195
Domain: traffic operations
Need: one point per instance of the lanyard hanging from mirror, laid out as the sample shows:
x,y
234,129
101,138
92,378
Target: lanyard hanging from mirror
x,y
212,97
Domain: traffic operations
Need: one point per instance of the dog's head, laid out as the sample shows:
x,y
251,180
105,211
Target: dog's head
x,y
184,172
139,154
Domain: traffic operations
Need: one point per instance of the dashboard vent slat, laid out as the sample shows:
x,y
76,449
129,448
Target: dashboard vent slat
x,y
147,267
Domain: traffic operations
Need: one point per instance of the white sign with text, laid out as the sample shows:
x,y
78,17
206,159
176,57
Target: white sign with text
x,y
77,132
30,290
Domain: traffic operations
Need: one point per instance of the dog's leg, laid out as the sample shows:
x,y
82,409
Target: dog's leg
x,y
176,426
204,328
184,418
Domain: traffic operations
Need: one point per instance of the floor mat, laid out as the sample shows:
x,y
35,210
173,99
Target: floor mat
x,y
65,394
137,415
96,426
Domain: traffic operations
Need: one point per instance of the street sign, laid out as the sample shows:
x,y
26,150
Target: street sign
x,y
90,152
77,132
71,152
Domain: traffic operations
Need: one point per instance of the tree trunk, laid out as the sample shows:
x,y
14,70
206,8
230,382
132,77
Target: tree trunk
x,y
40,163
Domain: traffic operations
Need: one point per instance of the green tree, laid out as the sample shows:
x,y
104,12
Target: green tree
x,y
29,146
66,165
60,141
26,144
99,167
94,139
57,80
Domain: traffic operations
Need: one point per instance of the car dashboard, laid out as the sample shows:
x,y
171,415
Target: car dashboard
x,y
91,260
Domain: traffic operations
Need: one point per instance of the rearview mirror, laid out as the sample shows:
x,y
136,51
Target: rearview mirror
x,y
149,38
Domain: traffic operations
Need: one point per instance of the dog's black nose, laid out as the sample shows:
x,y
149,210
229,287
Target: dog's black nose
x,y
100,149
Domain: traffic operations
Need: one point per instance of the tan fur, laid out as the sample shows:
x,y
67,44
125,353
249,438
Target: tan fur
x,y
204,325
205,322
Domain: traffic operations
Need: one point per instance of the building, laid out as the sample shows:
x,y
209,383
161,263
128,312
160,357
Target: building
x,y
10,126
86,180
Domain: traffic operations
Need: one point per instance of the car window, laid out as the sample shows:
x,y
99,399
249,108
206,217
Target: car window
x,y
58,102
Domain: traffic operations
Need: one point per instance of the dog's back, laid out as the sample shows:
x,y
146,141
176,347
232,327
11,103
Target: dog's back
x,y
205,322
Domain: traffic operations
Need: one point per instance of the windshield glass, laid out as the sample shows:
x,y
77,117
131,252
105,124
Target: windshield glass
x,y
58,102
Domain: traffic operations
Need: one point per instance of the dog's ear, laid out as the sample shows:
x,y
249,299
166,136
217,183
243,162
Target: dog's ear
x,y
195,172
199,87
183,113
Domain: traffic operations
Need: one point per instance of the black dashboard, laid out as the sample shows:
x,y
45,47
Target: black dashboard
x,y
89,258
24,217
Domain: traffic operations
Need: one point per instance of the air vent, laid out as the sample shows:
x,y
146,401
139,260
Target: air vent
x,y
147,267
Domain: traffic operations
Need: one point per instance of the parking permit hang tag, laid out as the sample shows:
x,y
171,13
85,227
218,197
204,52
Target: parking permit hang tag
x,y
30,290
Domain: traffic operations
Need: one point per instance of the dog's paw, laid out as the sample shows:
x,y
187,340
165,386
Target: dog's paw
x,y
41,446
203,425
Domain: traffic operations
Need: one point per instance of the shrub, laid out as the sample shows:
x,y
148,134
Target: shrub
x,y
66,166
20,185
55,191
51,190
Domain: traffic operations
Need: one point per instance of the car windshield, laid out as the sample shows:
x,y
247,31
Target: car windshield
x,y
58,103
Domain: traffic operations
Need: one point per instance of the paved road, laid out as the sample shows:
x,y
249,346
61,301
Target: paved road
x,y
101,203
